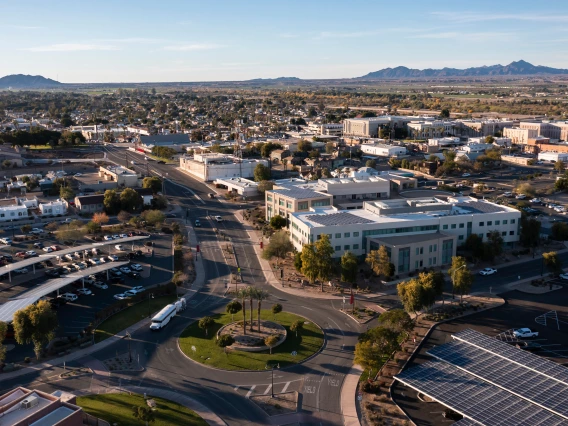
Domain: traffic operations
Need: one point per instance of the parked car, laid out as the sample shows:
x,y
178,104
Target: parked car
x,y
563,276
121,296
521,197
47,249
113,258
130,293
116,237
69,297
136,267
96,250
52,273
123,236
507,194
524,333
103,260
117,280
119,247
6,241
115,272
536,201
487,271
38,245
466,175
22,255
137,289
134,275
31,253
84,291
94,261
36,231
218,218
21,271
100,284
55,247
69,257
197,223
211,195
171,215
529,346
125,270
108,238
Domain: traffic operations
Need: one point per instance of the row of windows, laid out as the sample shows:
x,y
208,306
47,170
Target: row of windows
x,y
345,234
489,223
400,230
12,214
431,249
347,247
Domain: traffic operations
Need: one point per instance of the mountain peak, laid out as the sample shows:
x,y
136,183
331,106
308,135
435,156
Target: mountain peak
x,y
24,81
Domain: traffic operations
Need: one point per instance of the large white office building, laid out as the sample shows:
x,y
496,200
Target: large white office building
x,y
418,233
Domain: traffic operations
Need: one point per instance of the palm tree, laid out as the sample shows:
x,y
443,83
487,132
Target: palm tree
x,y
260,296
252,291
243,294
285,163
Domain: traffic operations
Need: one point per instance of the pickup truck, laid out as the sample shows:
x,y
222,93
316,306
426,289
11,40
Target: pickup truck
x,y
524,333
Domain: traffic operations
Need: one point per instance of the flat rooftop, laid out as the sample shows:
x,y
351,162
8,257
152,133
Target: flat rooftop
x,y
299,193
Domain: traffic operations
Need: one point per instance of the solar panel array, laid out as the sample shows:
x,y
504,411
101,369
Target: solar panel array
x,y
466,422
519,356
335,219
475,399
523,382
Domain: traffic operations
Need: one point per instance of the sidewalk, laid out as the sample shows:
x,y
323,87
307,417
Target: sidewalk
x,y
348,392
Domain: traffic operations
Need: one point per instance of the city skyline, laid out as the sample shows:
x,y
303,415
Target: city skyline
x,y
192,41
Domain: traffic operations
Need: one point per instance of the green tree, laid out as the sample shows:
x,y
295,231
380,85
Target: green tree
x,y
559,166
242,294
159,202
297,326
324,253
525,188
530,231
411,294
489,139
111,201
130,200
494,243
261,172
461,276
123,216
225,340
298,261
278,246
144,414
349,267
445,113
265,185
397,320
154,183
558,231
3,331
35,324
475,245
368,355
552,262
153,217
260,295
277,222
276,309
205,322
304,146
309,262
561,184
26,228
66,193
93,227
379,261
371,163
329,148
233,307
271,341
375,346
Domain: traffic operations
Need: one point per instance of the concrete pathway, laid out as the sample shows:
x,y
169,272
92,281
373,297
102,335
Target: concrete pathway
x,y
348,395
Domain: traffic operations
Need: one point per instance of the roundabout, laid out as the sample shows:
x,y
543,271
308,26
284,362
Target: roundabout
x,y
291,349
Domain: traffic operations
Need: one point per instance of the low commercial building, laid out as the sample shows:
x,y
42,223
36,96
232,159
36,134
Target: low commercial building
x,y
553,157
420,232
27,407
240,186
124,177
53,208
445,142
92,182
290,199
14,212
208,167
383,150
349,193
517,159
89,203
172,140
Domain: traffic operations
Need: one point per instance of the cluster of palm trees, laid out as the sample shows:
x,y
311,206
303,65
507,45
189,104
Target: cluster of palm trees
x,y
251,294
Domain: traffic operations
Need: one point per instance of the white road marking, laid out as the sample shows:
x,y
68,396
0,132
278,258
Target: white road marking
x,y
267,389
236,388
285,387
250,391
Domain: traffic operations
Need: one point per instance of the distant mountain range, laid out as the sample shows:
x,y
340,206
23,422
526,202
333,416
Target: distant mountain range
x,y
514,69
21,81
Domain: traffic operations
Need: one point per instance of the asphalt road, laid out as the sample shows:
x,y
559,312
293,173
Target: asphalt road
x,y
318,380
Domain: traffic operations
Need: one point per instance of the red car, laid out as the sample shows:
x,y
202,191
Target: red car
x,y
22,254
55,247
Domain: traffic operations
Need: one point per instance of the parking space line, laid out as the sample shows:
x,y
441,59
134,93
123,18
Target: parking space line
x,y
250,391
267,389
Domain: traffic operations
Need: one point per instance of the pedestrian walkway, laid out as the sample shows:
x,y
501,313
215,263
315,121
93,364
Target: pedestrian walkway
x,y
264,389
348,391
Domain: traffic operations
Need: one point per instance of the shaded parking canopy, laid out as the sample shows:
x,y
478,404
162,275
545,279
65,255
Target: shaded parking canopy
x,y
8,309
29,262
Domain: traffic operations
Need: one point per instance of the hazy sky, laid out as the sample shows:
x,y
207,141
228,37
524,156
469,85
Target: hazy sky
x,y
167,40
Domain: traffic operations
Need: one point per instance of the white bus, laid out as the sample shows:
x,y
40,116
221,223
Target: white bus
x,y
162,318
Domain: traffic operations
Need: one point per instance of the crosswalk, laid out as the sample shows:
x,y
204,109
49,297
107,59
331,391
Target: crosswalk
x,y
264,389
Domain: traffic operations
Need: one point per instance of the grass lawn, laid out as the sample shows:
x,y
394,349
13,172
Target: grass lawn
x,y
309,340
155,157
130,316
116,408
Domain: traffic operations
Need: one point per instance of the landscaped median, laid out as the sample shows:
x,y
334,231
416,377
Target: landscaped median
x,y
131,315
117,409
202,347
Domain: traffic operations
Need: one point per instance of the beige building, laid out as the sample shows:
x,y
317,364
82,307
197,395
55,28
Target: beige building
x,y
520,136
290,199
121,175
476,128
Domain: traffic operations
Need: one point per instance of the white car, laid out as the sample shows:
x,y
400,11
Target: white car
x,y
218,218
108,238
78,266
137,289
466,175
78,174
36,231
89,280
521,197
130,293
102,260
136,267
113,258
523,333
84,291
559,209
563,276
119,247
536,201
70,297
94,261
31,253
100,284
121,296
6,241
507,194
68,257
123,236
125,270
47,249
116,237
487,271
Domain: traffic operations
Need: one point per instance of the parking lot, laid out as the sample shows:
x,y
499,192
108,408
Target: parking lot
x,y
545,313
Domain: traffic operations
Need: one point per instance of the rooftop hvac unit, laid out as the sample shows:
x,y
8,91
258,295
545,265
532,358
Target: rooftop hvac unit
x,y
29,402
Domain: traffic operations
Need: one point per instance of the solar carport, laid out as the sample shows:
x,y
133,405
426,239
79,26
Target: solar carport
x,y
8,309
490,382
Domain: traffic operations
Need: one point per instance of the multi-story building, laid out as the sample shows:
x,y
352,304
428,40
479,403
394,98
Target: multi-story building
x,y
369,127
483,127
121,175
290,199
428,129
547,129
417,233
520,136
209,167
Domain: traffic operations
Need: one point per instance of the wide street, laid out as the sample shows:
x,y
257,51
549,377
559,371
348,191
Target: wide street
x,y
318,380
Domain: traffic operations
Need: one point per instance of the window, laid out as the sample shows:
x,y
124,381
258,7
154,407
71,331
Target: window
x,y
512,221
505,222
447,251
489,223
445,227
461,225
356,234
269,197
416,265
481,223
460,238
347,235
337,248
289,205
320,203
453,226
281,202
338,235
404,259
419,250
434,261
435,247
303,205
346,247
503,233
497,222
511,232
355,246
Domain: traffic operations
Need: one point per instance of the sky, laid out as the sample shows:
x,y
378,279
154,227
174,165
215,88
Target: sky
x,y
212,40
